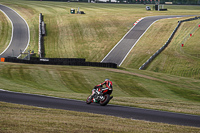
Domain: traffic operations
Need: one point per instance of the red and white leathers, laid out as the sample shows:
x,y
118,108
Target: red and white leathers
x,y
99,90
108,85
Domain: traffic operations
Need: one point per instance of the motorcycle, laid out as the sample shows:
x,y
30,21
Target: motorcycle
x,y
100,95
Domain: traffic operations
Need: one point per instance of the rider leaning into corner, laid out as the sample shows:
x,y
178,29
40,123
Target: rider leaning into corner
x,y
108,85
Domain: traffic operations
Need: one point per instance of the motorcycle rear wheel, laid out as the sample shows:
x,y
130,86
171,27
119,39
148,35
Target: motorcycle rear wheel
x,y
106,100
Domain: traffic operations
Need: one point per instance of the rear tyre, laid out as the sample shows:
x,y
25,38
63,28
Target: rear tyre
x,y
106,100
89,100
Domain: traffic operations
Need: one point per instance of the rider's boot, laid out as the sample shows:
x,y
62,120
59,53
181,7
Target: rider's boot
x,y
95,101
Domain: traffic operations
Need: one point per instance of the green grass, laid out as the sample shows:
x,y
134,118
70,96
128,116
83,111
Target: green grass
x,y
5,32
131,87
93,35
155,37
89,36
21,118
177,60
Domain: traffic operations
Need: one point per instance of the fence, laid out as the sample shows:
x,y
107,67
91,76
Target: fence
x,y
166,44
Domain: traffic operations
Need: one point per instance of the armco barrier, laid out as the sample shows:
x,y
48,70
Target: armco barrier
x,y
60,61
166,44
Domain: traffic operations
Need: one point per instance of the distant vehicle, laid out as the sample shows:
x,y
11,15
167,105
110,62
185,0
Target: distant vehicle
x,y
148,8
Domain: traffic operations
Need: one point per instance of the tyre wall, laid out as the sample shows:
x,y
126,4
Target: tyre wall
x,y
59,61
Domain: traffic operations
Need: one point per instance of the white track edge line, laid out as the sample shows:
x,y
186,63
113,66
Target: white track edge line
x,y
136,42
11,35
121,39
13,30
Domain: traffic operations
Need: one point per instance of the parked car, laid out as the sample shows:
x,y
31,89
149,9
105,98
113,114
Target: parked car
x,y
148,8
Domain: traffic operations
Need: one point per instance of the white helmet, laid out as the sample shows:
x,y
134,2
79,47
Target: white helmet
x,y
106,79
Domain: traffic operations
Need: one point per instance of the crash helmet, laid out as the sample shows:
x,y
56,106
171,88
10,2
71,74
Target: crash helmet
x,y
107,80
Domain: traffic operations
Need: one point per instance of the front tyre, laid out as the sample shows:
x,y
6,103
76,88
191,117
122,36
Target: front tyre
x,y
105,100
89,100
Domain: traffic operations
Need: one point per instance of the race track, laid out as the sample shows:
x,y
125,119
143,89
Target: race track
x,y
20,33
113,110
20,40
121,50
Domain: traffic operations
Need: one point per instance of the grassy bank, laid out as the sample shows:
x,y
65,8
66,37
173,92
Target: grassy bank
x,y
175,59
21,118
155,37
131,87
84,36
178,60
5,32
95,33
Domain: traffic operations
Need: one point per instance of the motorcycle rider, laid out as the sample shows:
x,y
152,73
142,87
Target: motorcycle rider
x,y
107,83
99,89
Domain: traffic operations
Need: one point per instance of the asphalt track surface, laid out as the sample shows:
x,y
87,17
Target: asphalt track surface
x,y
20,33
112,110
20,40
121,50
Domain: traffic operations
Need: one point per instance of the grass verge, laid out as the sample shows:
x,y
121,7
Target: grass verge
x,y
21,118
178,60
5,32
131,87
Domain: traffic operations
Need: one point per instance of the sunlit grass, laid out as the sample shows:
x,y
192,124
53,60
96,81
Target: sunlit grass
x,y
155,37
21,118
91,35
178,60
5,32
131,87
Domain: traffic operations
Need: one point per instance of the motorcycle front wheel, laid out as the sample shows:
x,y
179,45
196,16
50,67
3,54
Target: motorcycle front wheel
x,y
105,100
89,100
